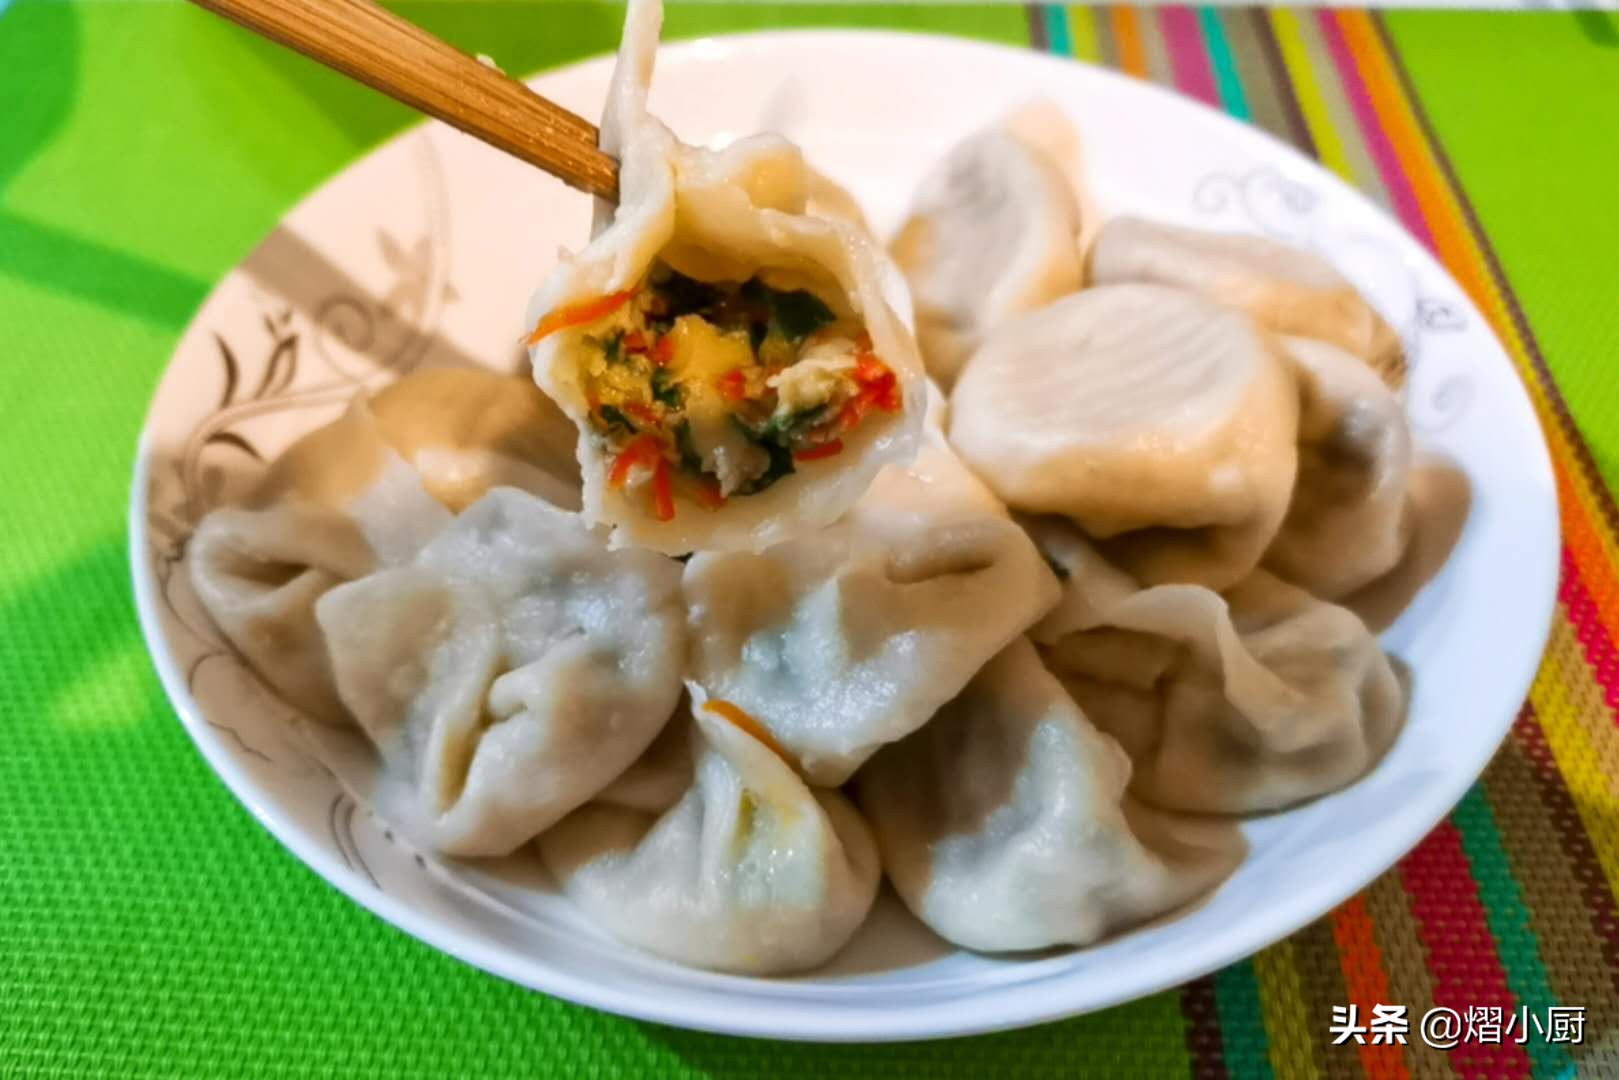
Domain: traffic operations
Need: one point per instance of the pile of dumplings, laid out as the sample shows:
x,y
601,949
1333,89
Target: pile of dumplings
x,y
1113,580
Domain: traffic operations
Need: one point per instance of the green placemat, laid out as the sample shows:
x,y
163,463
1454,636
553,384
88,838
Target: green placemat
x,y
149,927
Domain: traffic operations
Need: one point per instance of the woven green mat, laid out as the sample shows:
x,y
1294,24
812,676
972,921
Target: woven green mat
x,y
149,927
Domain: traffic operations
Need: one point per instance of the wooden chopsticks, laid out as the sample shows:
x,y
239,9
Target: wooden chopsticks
x,y
378,48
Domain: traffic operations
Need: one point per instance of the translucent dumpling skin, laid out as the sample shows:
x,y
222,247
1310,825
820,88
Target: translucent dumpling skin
x,y
468,431
506,674
853,637
1249,701
1154,419
993,233
1286,290
749,870
1350,520
1003,823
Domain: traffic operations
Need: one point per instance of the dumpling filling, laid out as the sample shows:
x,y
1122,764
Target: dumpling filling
x,y
710,390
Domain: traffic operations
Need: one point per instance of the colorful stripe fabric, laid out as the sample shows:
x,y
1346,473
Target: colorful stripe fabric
x,y
1480,914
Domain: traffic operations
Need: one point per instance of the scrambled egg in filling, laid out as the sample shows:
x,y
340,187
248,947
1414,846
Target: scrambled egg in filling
x,y
713,390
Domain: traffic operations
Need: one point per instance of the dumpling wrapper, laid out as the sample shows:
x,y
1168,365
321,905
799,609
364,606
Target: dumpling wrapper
x,y
1350,518
825,197
750,871
1439,497
1286,290
1003,823
258,574
508,673
1161,423
722,215
1371,521
993,233
1252,701
466,432
334,506
367,490
853,637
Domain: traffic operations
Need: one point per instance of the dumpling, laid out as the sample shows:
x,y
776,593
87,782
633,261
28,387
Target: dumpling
x,y
853,637
468,431
1248,702
825,197
1002,823
731,360
1438,499
1371,523
334,506
1090,584
506,674
1287,290
749,871
657,779
1161,423
1349,521
993,233
367,490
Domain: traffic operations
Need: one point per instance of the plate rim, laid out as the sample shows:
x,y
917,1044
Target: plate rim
x,y
863,1025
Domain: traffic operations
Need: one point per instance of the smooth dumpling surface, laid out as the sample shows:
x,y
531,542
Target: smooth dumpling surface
x,y
336,505
1438,497
367,490
1350,519
467,431
853,637
1002,822
1251,701
1287,290
730,357
1158,421
992,233
508,673
749,871
825,197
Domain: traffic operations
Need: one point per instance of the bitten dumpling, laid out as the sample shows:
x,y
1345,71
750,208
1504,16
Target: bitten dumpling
x,y
853,637
1161,423
749,871
1287,290
1002,823
1350,519
1250,701
506,674
993,233
730,358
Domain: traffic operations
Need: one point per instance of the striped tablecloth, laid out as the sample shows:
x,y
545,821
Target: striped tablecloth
x,y
148,927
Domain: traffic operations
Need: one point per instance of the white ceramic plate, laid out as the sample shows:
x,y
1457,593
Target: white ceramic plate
x,y
427,249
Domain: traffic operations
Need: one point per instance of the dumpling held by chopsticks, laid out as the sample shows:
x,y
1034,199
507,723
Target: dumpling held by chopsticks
x,y
732,363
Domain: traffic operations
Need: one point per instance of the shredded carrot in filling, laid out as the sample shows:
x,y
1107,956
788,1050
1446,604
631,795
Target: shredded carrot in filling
x,y
733,385
740,718
816,453
706,493
585,311
663,492
704,391
643,451
644,413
